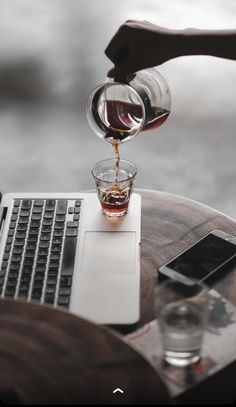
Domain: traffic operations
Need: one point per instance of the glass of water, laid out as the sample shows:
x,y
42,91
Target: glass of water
x,y
182,314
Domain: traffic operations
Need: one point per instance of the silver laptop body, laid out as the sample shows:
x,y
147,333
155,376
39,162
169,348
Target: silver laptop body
x,y
59,249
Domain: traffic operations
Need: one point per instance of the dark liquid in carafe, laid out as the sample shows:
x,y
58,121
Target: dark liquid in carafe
x,y
122,116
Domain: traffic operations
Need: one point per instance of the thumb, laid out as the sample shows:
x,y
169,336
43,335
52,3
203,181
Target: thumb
x,y
119,72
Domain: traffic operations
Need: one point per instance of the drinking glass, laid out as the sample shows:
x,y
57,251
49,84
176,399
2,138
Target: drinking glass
x,y
182,313
114,181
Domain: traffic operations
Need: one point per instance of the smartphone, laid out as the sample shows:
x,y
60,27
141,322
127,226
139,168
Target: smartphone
x,y
201,260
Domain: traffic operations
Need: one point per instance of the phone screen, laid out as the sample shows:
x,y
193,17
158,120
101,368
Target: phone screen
x,y
204,257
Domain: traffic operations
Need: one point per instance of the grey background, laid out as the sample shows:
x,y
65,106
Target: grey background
x,y
52,55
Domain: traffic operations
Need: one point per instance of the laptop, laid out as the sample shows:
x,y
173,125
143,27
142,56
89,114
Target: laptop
x,y
60,250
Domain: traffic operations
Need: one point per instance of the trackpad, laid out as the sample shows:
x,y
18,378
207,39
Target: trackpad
x,y
112,253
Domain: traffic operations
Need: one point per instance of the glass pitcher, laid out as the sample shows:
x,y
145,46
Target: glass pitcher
x,y
118,111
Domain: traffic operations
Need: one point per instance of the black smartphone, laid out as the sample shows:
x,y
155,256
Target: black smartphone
x,y
201,260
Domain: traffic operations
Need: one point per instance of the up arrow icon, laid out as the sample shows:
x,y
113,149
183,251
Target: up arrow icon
x,y
118,391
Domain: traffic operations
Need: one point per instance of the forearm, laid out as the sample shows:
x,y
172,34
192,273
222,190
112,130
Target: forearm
x,y
219,43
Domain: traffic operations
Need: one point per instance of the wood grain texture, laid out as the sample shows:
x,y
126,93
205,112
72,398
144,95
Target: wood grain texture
x,y
51,356
170,224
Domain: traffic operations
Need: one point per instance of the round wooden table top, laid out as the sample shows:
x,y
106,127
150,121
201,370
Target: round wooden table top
x,y
170,224
49,356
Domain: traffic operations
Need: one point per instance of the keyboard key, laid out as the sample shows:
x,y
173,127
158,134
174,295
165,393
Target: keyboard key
x,y
57,240
9,240
25,278
28,262
36,294
47,222
52,271
52,281
34,224
43,252
44,244
7,248
71,232
25,213
23,294
77,209
45,237
58,233
12,225
55,256
36,216
61,207
33,232
41,260
71,210
26,204
63,301
9,292
46,229
16,203
16,258
65,281
39,277
27,269
76,216
31,245
40,268
20,235
59,226
38,202
32,239
6,256
56,248
24,286
38,285
14,218
15,210
50,205
23,221
78,203
72,224
64,291
50,289
17,250
37,210
60,218
11,282
13,274
4,265
49,298
11,232
2,273
68,256
48,215
22,227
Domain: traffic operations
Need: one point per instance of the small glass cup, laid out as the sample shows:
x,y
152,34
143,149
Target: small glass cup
x,y
114,182
182,313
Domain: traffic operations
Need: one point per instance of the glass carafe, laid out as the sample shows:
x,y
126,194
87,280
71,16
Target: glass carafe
x,y
118,111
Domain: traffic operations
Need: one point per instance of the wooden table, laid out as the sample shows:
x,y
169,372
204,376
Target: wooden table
x,y
49,356
53,357
170,224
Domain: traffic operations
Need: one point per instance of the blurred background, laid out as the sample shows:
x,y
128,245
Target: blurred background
x,y
52,55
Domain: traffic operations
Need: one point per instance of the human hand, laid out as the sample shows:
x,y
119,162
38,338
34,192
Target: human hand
x,y
138,45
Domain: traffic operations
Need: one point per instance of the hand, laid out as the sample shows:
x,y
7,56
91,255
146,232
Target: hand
x,y
138,45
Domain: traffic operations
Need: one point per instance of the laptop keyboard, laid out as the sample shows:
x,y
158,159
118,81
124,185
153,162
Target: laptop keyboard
x,y
39,254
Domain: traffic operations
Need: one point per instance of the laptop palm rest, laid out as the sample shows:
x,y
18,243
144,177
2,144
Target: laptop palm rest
x,y
107,287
